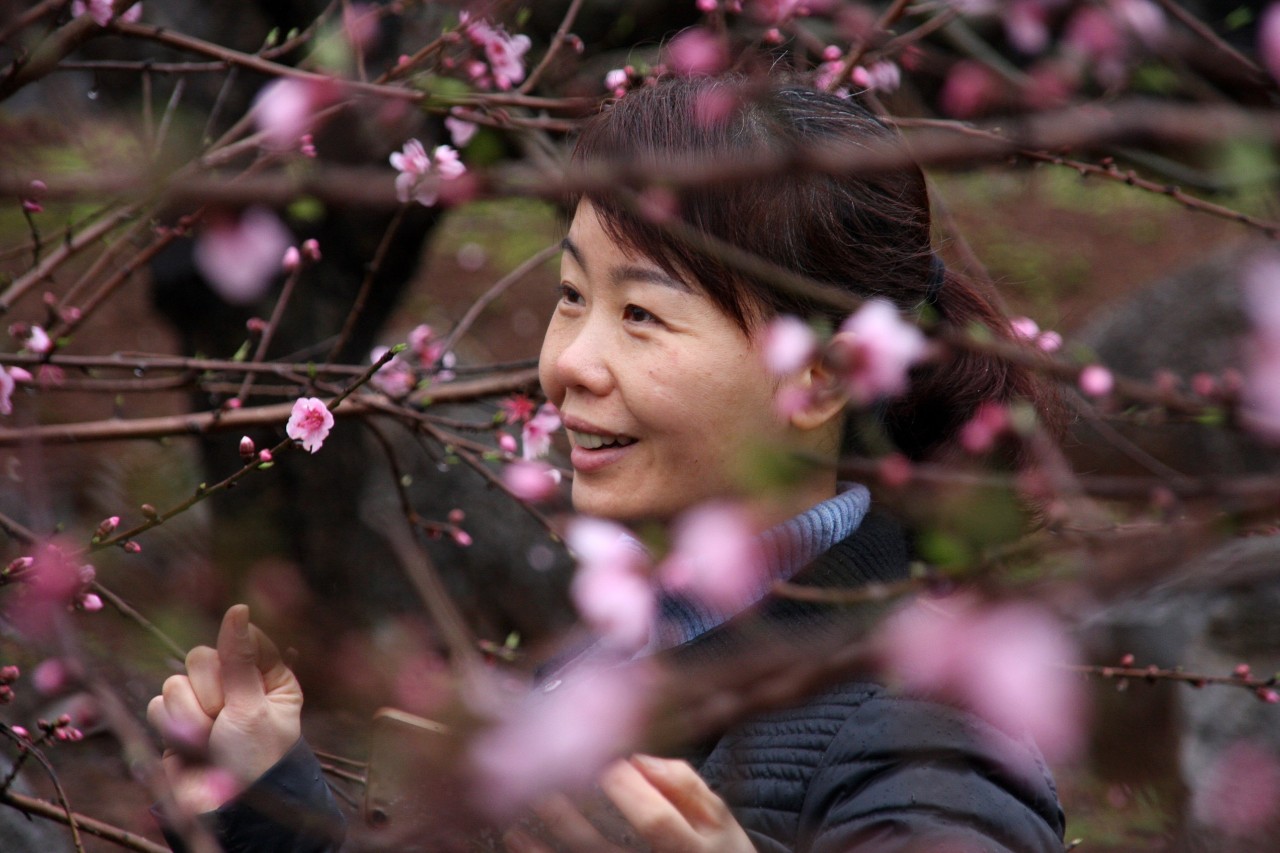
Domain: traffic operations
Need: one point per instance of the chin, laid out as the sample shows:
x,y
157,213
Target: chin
x,y
606,504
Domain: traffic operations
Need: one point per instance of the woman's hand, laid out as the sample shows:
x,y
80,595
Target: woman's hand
x,y
665,801
238,706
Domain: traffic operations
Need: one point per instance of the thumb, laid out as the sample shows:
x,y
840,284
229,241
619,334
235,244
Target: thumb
x,y
238,654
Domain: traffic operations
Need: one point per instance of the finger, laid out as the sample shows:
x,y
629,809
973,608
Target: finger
x,y
275,673
646,808
238,656
681,785
205,673
567,825
183,724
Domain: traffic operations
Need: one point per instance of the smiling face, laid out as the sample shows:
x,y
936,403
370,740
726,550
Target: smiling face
x,y
663,395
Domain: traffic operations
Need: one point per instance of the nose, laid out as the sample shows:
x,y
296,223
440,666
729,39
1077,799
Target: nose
x,y
575,357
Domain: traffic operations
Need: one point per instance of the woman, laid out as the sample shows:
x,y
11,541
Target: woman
x,y
653,356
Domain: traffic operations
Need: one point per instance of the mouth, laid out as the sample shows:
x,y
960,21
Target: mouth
x,y
598,441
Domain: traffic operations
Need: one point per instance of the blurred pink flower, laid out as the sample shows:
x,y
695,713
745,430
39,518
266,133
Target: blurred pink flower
x,y
10,378
999,660
1026,25
284,110
1240,794
360,24
1144,19
716,557
309,423
1096,381
611,587
240,256
789,344
420,174
531,481
536,435
969,90
1261,394
424,344
504,53
883,76
102,11
517,408
617,80
37,341
507,443
460,132
987,424
697,51
881,350
560,739
1269,40
395,378
51,676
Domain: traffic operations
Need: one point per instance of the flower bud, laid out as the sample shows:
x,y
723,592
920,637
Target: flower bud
x,y
132,547
311,249
9,674
264,455
456,516
247,449
149,512
292,259
106,527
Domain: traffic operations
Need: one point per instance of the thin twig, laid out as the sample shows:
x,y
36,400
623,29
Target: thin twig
x,y
366,286
499,287
90,826
552,49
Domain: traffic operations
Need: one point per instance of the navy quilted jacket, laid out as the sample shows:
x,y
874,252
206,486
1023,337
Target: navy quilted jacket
x,y
859,768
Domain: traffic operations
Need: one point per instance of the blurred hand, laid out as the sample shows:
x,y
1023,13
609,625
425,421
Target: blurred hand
x,y
665,801
239,705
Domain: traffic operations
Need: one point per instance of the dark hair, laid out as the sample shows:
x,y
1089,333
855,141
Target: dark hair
x,y
866,234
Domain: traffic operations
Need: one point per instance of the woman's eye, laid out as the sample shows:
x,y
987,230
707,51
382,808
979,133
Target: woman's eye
x,y
569,295
636,314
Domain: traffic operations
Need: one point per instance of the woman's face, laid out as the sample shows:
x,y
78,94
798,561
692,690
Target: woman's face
x,y
662,394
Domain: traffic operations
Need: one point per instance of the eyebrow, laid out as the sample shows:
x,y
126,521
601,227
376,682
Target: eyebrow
x,y
628,272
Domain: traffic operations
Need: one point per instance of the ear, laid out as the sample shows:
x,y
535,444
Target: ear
x,y
825,395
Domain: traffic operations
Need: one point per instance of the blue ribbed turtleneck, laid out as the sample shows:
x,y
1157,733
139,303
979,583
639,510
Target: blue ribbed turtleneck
x,y
786,549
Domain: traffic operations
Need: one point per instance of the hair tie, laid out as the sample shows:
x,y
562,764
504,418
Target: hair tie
x,y
937,277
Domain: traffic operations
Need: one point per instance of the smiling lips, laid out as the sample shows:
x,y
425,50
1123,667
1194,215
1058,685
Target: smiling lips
x,y
596,441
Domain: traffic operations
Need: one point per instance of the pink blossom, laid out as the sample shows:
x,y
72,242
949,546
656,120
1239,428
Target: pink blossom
x,y
360,24
969,90
611,587
420,174
706,7
90,602
284,110
1240,792
309,423
715,106
1000,660
1026,26
1142,18
1096,381
1024,327
504,52
561,739
789,344
531,481
517,408
877,348
883,76
507,442
1269,40
987,424
292,259
395,378
617,80
10,378
1261,393
697,51
101,11
422,341
241,256
1049,341
460,132
716,557
37,341
536,434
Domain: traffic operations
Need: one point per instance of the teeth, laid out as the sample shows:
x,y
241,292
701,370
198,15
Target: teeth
x,y
591,441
